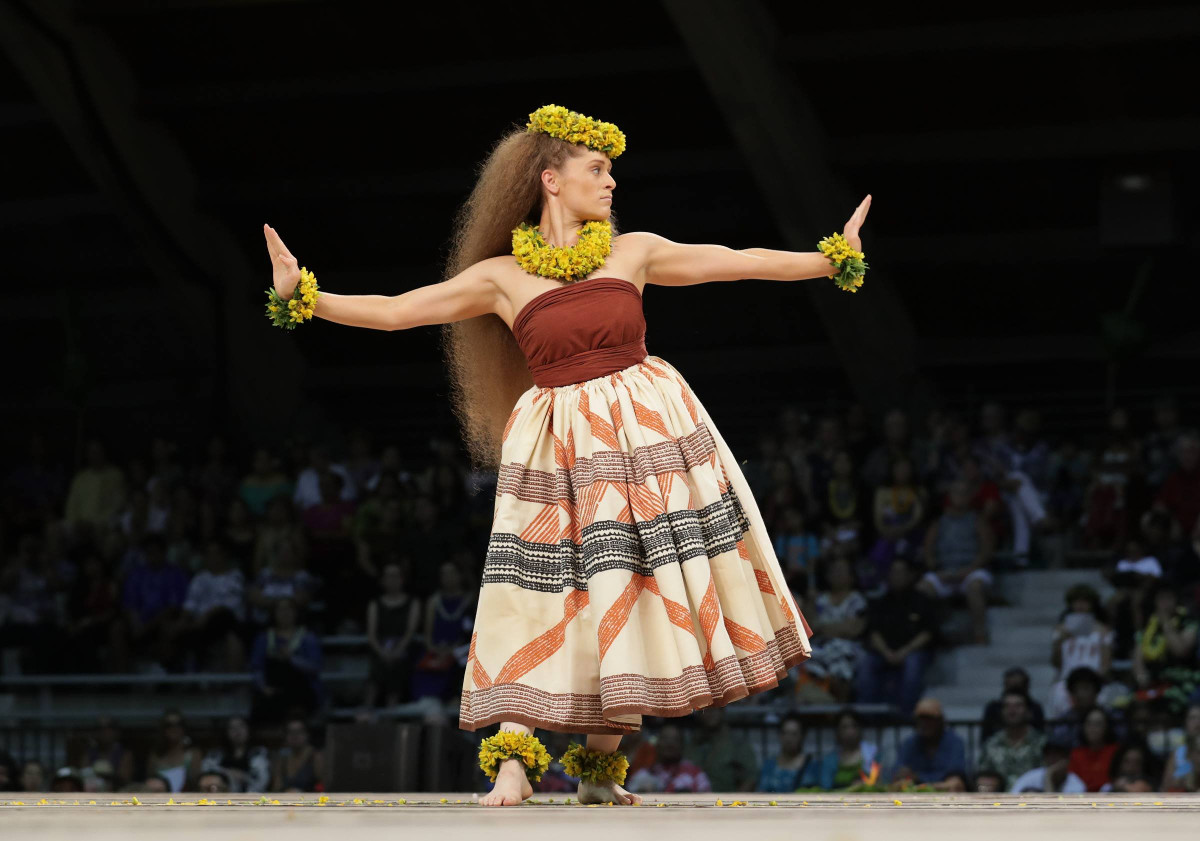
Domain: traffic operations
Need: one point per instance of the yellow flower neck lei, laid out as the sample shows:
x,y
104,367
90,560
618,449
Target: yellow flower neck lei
x,y
569,263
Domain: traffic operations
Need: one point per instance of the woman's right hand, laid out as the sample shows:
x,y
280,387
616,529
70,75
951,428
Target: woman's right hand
x,y
285,269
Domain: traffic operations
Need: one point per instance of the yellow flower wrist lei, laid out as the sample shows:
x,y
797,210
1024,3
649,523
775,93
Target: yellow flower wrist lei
x,y
505,745
594,765
845,258
288,313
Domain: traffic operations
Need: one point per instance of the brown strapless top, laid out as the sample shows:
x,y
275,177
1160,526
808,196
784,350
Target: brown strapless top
x,y
581,331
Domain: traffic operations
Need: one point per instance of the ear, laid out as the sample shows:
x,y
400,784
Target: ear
x,y
550,181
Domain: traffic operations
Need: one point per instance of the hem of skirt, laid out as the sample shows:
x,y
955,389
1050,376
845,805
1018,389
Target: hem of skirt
x,y
700,702
695,701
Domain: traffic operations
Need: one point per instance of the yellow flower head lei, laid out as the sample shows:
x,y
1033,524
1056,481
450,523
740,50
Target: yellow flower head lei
x,y
574,127
594,765
507,744
287,314
843,257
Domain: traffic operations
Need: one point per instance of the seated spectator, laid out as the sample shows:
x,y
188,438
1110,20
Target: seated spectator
x,y
727,758
1083,692
841,498
852,761
1179,495
900,630
298,765
1133,770
10,777
247,768
33,776
958,550
1092,760
933,754
1018,747
1106,509
989,782
783,771
174,757
439,664
105,746
151,598
798,550
333,557
393,621
286,665
214,610
283,578
1053,775
838,619
1165,649
1080,639
94,604
263,483
281,532
1181,772
1018,679
212,782
899,508
670,771
1134,578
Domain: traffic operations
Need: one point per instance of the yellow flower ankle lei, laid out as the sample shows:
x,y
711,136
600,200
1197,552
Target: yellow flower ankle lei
x,y
507,744
571,262
287,314
843,257
594,765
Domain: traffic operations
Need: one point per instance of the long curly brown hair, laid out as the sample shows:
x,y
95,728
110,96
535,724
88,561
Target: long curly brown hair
x,y
487,370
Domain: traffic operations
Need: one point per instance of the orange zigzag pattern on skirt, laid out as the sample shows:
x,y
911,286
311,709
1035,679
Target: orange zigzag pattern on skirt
x,y
612,492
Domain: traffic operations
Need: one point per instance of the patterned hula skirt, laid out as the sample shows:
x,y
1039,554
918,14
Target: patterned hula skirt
x,y
628,569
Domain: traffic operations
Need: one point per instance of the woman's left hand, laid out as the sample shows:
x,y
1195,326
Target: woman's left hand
x,y
850,232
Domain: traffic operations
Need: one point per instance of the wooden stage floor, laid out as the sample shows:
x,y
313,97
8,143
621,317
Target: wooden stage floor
x,y
454,815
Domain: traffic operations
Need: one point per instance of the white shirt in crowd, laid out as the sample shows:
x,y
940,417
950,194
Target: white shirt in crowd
x,y
207,591
1035,780
308,486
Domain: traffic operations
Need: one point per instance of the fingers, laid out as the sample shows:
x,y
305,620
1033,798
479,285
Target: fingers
x,y
275,244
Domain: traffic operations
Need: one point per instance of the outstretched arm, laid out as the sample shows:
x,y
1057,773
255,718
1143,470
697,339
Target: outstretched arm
x,y
470,293
678,264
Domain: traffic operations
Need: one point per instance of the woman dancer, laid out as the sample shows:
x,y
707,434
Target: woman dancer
x,y
628,570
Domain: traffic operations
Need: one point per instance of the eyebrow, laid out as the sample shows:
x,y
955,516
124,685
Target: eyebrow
x,y
603,160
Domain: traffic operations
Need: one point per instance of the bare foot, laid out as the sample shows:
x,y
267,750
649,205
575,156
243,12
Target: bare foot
x,y
512,787
604,792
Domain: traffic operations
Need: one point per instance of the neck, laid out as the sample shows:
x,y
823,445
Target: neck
x,y
558,227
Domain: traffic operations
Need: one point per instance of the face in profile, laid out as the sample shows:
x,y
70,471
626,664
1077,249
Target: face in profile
x,y
584,185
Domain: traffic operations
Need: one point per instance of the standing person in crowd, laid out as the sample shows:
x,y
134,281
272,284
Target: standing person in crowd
x,y
958,549
247,767
1081,638
1015,678
174,757
214,610
726,757
670,773
1052,775
900,633
782,772
1181,773
286,665
393,620
839,620
933,754
1092,760
852,761
298,766
1018,747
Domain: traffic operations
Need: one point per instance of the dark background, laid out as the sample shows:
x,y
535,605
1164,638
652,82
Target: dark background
x,y
1028,163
